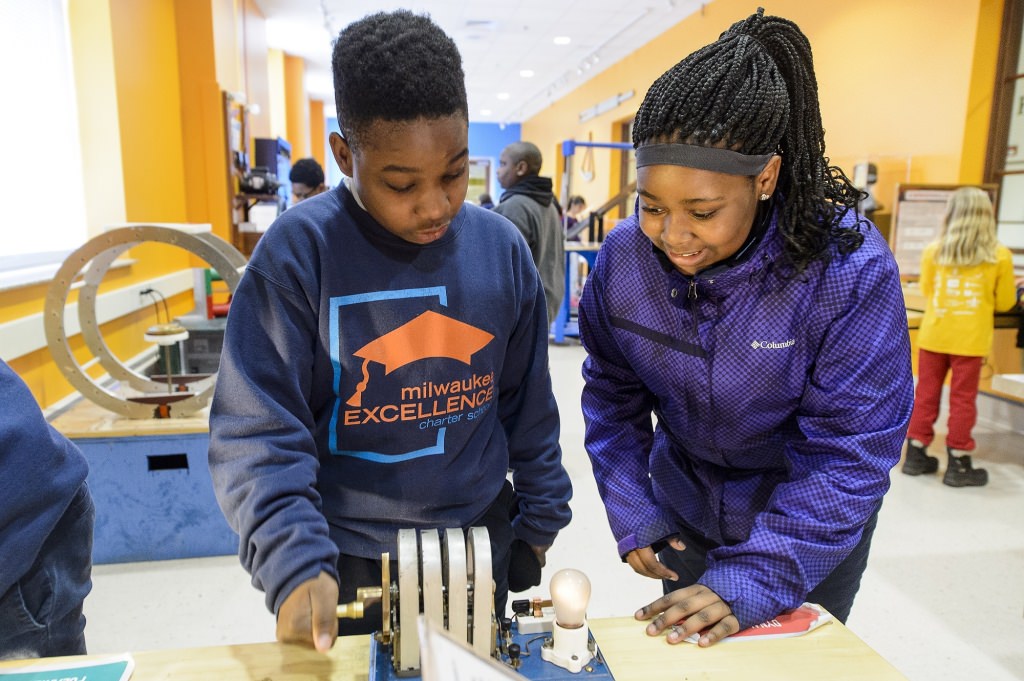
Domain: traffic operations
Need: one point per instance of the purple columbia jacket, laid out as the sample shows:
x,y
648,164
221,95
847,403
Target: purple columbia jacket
x,y
781,405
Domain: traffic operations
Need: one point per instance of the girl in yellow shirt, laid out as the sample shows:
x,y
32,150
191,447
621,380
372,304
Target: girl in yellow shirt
x,y
966,275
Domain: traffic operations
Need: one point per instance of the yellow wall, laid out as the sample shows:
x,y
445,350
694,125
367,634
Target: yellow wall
x,y
255,73
226,23
891,90
278,111
99,125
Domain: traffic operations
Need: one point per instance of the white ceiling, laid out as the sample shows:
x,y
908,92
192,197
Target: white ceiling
x,y
500,40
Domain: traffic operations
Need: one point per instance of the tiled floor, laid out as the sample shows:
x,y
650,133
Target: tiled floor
x,y
943,596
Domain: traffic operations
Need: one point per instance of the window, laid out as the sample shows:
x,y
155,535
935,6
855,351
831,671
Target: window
x,y
43,215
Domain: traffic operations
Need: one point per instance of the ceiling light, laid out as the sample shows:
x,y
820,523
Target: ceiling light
x,y
503,95
485,112
526,73
562,40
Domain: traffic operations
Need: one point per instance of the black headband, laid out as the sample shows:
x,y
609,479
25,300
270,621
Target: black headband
x,y
703,158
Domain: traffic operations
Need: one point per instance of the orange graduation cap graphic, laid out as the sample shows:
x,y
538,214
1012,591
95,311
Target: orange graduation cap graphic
x,y
428,335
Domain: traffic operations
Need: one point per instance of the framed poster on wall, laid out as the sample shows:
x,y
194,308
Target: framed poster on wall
x,y
479,179
917,221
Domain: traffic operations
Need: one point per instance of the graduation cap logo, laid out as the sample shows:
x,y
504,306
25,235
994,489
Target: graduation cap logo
x,y
428,335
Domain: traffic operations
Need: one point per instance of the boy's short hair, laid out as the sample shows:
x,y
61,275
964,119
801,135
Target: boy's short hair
x,y
307,171
395,66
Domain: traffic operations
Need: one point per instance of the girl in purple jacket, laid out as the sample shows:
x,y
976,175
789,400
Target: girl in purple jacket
x,y
759,319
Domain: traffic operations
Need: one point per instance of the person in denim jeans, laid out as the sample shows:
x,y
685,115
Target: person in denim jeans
x,y
46,529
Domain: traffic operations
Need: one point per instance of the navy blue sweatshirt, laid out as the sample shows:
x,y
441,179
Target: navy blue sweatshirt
x,y
40,473
369,384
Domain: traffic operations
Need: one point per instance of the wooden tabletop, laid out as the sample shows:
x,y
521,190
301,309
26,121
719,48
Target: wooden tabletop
x,y
348,660
829,652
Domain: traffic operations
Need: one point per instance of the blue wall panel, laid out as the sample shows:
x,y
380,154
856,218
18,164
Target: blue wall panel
x,y
486,140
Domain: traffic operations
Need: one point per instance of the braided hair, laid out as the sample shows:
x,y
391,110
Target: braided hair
x,y
754,91
395,66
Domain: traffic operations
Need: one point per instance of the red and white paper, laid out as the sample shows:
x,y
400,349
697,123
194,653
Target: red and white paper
x,y
797,622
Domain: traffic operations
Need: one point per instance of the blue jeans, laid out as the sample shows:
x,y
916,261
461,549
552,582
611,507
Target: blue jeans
x,y
41,615
835,593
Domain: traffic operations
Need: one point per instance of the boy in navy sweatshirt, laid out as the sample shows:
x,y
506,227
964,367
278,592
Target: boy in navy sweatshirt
x,y
385,361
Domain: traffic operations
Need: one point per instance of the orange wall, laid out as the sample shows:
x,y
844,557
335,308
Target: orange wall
x,y
980,95
890,90
296,105
149,108
202,131
317,132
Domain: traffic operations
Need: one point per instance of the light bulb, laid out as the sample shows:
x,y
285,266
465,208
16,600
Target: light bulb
x,y
569,645
570,595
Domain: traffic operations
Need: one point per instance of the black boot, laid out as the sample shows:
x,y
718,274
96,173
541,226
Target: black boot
x,y
959,472
918,461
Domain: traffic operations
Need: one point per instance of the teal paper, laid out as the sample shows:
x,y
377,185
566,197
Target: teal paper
x,y
105,671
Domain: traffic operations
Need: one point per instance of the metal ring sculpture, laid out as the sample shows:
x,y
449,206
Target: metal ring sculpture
x,y
101,251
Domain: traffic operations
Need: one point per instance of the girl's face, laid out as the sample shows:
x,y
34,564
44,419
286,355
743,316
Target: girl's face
x,y
411,176
699,217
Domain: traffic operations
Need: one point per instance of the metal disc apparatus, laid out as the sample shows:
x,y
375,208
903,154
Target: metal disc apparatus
x,y
445,577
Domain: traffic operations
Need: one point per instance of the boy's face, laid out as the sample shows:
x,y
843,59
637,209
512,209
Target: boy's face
x,y
412,176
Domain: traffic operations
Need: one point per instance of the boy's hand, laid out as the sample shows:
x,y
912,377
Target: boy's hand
x,y
687,611
309,615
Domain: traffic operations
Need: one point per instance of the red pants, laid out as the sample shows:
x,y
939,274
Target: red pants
x,y
932,368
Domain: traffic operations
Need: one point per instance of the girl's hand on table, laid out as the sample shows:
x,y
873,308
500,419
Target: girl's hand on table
x,y
690,610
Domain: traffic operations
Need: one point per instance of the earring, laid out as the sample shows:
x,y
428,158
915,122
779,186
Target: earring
x,y
765,197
